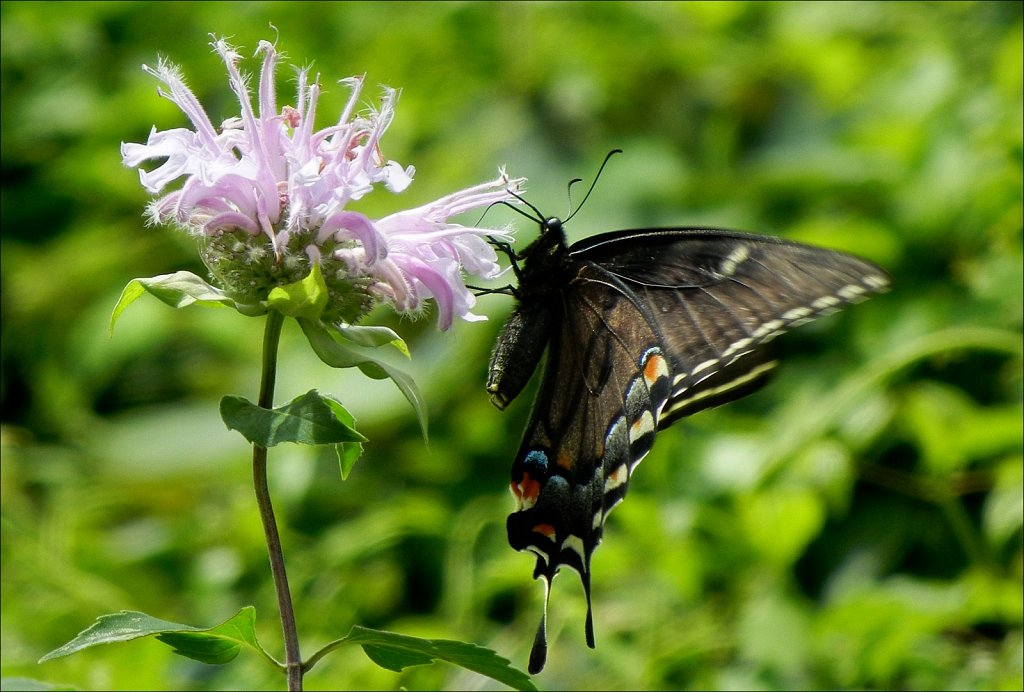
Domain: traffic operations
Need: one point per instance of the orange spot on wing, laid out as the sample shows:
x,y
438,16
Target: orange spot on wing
x,y
526,491
566,461
546,530
654,368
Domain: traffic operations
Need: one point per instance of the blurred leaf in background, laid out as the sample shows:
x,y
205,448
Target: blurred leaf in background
x,y
856,524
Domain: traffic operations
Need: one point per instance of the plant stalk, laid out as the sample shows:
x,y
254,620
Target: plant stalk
x,y
293,660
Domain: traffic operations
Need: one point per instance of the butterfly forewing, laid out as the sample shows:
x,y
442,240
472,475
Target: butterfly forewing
x,y
645,327
716,297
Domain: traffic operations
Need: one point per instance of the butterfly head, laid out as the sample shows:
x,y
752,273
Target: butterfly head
x,y
552,225
550,248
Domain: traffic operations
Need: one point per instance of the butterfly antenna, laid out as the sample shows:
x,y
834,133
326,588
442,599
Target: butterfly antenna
x,y
481,219
611,153
539,218
568,192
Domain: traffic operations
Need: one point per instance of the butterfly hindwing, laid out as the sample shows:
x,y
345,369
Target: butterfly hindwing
x,y
641,327
592,422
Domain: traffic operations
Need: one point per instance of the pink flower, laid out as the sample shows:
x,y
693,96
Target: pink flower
x,y
267,196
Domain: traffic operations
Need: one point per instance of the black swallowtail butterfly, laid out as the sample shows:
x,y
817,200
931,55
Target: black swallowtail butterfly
x,y
641,328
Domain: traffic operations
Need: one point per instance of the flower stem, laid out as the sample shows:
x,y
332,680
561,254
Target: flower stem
x,y
293,661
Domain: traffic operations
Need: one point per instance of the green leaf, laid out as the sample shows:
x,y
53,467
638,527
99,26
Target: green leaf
x,y
202,647
348,452
215,645
406,384
338,355
178,290
310,419
330,351
398,651
220,644
306,298
372,337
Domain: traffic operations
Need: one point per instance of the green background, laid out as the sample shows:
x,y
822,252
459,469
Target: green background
x,y
856,524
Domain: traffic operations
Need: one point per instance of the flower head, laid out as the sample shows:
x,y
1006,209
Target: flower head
x,y
268,196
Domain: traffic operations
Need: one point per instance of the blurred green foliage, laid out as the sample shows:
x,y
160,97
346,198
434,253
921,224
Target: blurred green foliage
x,y
856,524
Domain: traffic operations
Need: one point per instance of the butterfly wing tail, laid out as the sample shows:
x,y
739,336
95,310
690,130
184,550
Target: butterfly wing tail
x,y
539,652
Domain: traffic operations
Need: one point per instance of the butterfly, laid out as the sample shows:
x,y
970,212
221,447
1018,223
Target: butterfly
x,y
641,328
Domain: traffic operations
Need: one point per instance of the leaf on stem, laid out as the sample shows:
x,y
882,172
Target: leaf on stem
x,y
398,651
309,419
178,290
372,337
351,355
215,645
306,298
348,452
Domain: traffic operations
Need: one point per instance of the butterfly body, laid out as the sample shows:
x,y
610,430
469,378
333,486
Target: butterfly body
x,y
641,327
522,342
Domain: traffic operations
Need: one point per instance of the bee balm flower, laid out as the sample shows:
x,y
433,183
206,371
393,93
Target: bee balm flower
x,y
268,196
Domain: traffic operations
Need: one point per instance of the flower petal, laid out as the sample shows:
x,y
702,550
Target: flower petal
x,y
361,228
